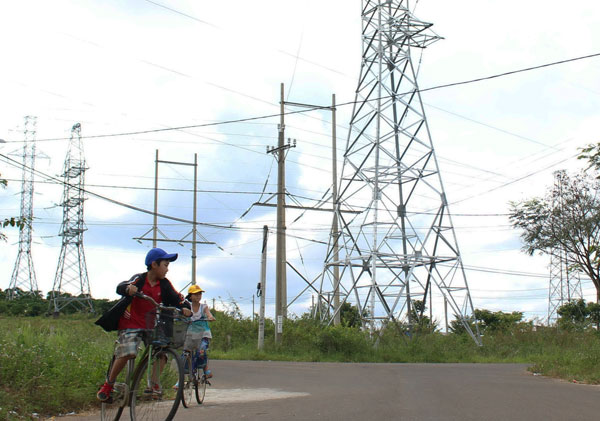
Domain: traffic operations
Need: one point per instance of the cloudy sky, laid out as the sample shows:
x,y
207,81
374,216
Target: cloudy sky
x,y
143,66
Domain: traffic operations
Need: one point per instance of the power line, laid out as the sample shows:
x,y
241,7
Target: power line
x,y
247,119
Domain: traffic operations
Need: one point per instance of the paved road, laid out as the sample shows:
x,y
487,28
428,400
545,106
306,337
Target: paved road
x,y
252,390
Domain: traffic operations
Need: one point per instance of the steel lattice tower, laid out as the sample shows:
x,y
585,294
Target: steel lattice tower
x,y
564,285
23,276
71,284
402,243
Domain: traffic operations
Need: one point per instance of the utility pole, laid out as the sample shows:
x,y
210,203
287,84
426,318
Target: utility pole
x,y
281,312
280,267
155,219
194,232
194,228
334,226
335,232
262,289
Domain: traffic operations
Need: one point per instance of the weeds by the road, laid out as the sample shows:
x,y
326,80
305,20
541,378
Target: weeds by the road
x,y
52,366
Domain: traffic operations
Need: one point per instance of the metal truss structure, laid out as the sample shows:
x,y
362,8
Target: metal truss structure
x,y
71,285
23,277
402,242
565,286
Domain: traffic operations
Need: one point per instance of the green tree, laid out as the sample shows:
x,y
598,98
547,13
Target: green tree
x,y
12,221
578,315
573,315
350,315
498,321
490,321
592,154
421,323
573,225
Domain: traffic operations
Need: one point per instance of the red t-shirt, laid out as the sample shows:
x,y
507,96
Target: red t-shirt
x,y
139,314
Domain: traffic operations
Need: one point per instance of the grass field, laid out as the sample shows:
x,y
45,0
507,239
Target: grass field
x,y
54,366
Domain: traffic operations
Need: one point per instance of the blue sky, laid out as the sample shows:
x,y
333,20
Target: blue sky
x,y
132,66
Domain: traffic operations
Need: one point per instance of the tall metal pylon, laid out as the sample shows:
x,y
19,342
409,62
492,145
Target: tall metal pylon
x,y
402,243
23,277
565,286
71,285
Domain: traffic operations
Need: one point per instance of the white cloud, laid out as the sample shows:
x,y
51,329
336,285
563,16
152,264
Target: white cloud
x,y
127,67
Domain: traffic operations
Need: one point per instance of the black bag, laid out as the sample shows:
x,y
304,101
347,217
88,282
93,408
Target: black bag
x,y
109,321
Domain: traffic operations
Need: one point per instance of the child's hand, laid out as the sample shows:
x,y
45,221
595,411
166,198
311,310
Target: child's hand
x,y
131,289
186,312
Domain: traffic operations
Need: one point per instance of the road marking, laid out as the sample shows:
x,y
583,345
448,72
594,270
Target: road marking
x,y
248,395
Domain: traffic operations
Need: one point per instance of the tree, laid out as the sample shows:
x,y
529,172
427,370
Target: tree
x,y
573,315
592,154
350,315
421,323
491,321
11,221
573,225
498,321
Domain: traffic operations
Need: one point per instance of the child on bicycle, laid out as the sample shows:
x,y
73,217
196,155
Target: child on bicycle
x,y
128,316
198,334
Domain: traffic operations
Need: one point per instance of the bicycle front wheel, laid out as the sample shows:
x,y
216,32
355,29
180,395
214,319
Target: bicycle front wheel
x,y
153,395
190,381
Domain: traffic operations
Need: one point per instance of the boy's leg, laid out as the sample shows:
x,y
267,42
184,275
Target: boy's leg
x,y
117,367
126,349
104,392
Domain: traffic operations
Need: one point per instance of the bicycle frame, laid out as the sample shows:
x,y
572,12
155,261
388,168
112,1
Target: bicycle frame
x,y
153,345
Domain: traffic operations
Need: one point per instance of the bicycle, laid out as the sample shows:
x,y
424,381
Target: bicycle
x,y
141,386
193,383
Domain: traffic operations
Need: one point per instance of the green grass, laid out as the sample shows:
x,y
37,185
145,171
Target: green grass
x,y
53,366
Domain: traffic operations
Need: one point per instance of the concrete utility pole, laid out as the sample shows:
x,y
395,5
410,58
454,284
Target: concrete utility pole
x,y
155,219
280,273
262,290
334,226
335,231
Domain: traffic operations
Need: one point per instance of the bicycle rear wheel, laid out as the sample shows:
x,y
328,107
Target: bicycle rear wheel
x,y
189,382
152,396
200,387
112,409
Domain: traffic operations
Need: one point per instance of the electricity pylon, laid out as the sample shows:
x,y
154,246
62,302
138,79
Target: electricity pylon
x,y
71,285
23,276
565,285
402,243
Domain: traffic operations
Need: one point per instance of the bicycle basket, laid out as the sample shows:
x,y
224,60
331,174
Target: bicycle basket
x,y
179,332
167,329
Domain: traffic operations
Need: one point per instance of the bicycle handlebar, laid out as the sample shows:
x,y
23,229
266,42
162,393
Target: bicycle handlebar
x,y
158,305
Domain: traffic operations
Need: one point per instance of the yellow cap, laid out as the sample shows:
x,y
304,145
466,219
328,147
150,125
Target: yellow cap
x,y
194,289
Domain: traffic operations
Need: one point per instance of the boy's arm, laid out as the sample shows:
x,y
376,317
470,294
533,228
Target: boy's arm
x,y
123,287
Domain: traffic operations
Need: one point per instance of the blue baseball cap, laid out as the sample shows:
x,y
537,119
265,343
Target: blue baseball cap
x,y
159,254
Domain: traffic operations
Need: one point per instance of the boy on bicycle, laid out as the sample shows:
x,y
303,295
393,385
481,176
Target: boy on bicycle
x,y
198,334
128,316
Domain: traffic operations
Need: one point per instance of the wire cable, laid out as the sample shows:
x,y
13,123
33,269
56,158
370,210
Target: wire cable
x,y
316,107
